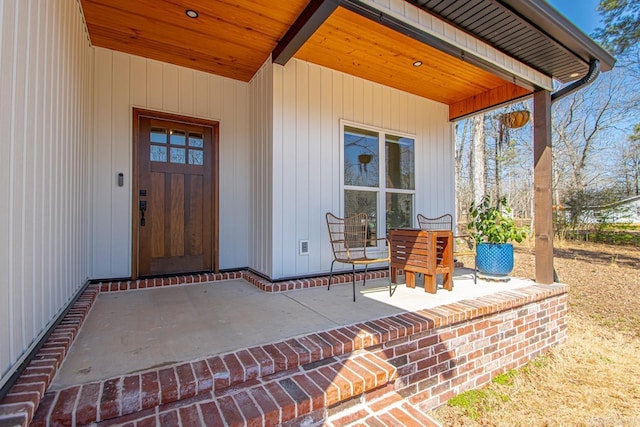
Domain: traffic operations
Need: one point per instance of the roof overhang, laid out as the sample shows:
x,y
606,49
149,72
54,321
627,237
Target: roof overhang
x,y
530,31
467,53
559,28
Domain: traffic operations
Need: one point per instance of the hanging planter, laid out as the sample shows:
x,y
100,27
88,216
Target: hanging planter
x,y
364,159
516,119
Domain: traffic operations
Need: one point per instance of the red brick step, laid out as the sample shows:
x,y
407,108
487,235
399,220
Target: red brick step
x,y
299,396
390,409
119,396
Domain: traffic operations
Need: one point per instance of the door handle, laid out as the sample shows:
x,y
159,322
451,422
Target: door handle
x,y
143,208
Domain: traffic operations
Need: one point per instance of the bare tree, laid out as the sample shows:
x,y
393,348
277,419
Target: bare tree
x,y
463,187
586,141
478,159
461,143
630,164
581,124
592,150
478,170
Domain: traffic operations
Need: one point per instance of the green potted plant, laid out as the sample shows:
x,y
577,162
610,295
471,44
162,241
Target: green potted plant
x,y
493,229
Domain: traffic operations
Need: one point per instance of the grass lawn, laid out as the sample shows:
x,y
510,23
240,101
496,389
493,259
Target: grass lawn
x,y
592,380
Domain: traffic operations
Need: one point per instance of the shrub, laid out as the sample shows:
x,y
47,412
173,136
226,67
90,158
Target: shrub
x,y
494,224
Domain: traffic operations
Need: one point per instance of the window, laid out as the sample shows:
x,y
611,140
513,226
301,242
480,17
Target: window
x,y
179,151
379,178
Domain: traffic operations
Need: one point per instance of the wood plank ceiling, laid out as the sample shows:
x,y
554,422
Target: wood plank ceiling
x,y
356,45
233,38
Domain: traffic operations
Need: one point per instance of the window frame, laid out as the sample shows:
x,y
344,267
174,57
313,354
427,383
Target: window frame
x,y
381,190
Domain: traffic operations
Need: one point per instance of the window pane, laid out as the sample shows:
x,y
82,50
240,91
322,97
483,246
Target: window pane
x,y
361,157
159,135
399,210
400,163
178,137
158,154
196,157
195,140
178,155
356,202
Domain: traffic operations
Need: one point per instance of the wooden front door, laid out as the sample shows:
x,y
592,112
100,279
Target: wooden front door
x,y
175,194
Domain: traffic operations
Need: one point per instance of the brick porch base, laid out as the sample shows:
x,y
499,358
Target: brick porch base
x,y
424,358
257,281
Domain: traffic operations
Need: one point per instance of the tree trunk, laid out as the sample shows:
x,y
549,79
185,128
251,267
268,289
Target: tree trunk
x,y
461,140
498,154
479,159
461,188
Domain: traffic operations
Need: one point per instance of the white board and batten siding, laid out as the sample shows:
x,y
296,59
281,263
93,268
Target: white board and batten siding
x,y
261,231
123,82
46,93
309,103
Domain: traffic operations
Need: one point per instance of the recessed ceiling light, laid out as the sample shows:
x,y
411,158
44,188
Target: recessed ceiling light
x,y
417,63
191,13
574,74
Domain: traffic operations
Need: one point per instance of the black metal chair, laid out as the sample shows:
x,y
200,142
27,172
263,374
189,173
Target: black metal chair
x,y
464,244
349,238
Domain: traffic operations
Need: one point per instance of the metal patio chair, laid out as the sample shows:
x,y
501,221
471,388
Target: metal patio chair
x,y
464,244
349,238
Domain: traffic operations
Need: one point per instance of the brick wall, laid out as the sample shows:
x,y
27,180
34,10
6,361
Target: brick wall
x,y
437,352
435,365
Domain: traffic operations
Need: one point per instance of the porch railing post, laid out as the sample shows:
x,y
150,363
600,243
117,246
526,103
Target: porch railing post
x,y
542,179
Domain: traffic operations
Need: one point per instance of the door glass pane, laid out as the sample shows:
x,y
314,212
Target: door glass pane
x,y
195,140
158,154
196,157
178,137
159,135
356,202
399,210
178,155
400,162
361,157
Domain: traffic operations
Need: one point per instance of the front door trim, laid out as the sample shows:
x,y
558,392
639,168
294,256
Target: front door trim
x,y
215,167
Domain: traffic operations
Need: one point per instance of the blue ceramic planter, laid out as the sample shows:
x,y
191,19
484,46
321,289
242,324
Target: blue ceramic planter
x,y
495,259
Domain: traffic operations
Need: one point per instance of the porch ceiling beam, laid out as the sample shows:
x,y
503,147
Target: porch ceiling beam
x,y
307,23
487,100
543,213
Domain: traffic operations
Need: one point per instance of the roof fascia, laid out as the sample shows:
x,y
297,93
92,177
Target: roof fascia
x,y
560,29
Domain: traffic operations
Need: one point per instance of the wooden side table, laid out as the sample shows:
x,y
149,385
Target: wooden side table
x,y
429,252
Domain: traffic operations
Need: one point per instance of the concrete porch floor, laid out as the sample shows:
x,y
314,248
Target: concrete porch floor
x,y
133,331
